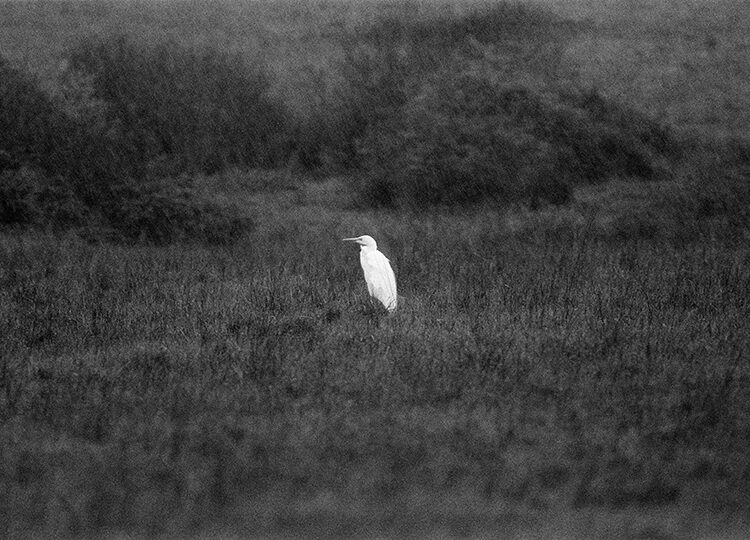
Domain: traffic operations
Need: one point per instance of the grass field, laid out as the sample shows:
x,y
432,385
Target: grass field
x,y
525,384
543,376
572,371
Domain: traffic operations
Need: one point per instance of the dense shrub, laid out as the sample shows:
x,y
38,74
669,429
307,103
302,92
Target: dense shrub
x,y
16,198
434,157
466,138
162,212
184,109
717,182
369,85
27,196
31,127
450,108
67,161
50,164
36,131
604,138
155,212
385,64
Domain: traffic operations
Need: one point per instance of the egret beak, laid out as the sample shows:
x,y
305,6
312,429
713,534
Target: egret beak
x,y
349,239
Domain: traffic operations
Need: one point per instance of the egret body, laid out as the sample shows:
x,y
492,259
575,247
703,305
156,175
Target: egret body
x,y
381,283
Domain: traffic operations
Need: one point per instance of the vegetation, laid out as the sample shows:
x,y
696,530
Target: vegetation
x,y
26,196
471,140
432,109
557,373
90,156
186,348
195,110
501,22
436,127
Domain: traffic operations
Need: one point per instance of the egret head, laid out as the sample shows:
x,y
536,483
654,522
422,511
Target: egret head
x,y
364,241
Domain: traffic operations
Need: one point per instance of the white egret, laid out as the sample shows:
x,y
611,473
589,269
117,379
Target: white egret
x,y
381,283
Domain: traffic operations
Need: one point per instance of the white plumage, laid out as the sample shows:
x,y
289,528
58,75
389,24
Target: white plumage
x,y
381,283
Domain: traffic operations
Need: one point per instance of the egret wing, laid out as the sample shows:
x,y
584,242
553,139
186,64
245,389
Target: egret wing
x,y
381,282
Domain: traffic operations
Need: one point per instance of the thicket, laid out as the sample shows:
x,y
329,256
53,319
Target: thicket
x,y
27,196
181,109
101,154
455,109
36,140
385,64
465,138
445,108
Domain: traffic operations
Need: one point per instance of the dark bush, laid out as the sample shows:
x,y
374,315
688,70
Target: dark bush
x,y
16,198
388,64
53,166
324,138
27,196
67,161
162,212
604,138
717,181
465,138
372,83
385,64
432,157
74,154
184,109
31,127
453,108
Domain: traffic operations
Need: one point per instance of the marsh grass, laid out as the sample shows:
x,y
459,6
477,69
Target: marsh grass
x,y
533,372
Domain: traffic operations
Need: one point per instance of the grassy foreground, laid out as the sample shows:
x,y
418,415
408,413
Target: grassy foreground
x,y
546,374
